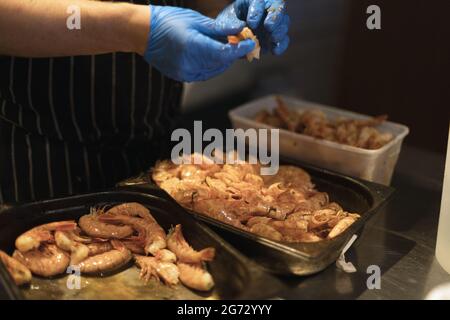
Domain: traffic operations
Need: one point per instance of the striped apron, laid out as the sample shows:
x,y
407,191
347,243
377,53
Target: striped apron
x,y
77,124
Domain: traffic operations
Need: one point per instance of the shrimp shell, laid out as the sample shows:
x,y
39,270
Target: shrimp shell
x,y
20,273
184,252
341,226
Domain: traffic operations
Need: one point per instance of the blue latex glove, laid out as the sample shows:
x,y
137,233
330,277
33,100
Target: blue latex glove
x,y
184,45
267,18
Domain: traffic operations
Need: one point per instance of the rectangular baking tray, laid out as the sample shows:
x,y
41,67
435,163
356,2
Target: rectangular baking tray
x,y
235,276
373,165
354,195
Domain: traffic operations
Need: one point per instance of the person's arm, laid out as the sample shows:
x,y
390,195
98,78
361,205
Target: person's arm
x,y
31,28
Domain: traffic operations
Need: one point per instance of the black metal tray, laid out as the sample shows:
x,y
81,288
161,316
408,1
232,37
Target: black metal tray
x,y
235,276
354,195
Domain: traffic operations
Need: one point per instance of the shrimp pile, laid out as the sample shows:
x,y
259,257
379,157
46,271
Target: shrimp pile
x,y
356,133
107,241
284,207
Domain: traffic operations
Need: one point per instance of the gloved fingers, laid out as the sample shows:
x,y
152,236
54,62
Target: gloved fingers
x,y
234,52
281,31
275,15
217,52
226,24
256,11
280,47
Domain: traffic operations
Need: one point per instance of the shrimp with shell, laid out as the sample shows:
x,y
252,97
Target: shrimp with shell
x,y
152,267
19,272
108,261
184,252
92,226
149,231
32,239
46,261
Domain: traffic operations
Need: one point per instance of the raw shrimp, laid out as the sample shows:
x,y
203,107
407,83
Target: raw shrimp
x,y
166,256
151,267
131,209
135,246
91,225
184,252
150,232
33,238
108,261
195,277
46,261
99,248
78,251
20,273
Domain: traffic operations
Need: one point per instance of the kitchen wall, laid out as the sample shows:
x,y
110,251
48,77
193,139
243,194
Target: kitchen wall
x,y
308,69
401,70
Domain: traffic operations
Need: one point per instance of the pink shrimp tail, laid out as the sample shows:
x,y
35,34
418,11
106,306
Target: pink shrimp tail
x,y
66,226
208,254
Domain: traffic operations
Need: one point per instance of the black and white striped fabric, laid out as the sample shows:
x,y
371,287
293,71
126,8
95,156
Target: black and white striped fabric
x,y
75,124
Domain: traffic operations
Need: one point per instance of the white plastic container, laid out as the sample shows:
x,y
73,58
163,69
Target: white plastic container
x,y
443,236
373,165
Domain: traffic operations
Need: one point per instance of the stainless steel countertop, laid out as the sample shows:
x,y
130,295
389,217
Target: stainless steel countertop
x,y
400,239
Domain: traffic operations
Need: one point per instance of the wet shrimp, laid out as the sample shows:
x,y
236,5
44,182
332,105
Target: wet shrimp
x,y
95,228
78,251
151,267
46,261
19,272
166,256
132,209
33,238
150,232
96,248
195,277
184,252
108,261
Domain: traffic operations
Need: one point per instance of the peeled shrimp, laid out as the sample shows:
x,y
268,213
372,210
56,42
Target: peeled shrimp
x,y
46,261
151,267
91,225
33,238
108,261
20,273
247,33
184,252
78,251
195,277
150,232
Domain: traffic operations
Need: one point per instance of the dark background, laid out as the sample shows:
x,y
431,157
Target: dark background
x,y
401,70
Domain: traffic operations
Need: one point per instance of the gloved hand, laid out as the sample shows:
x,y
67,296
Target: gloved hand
x,y
184,45
267,18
